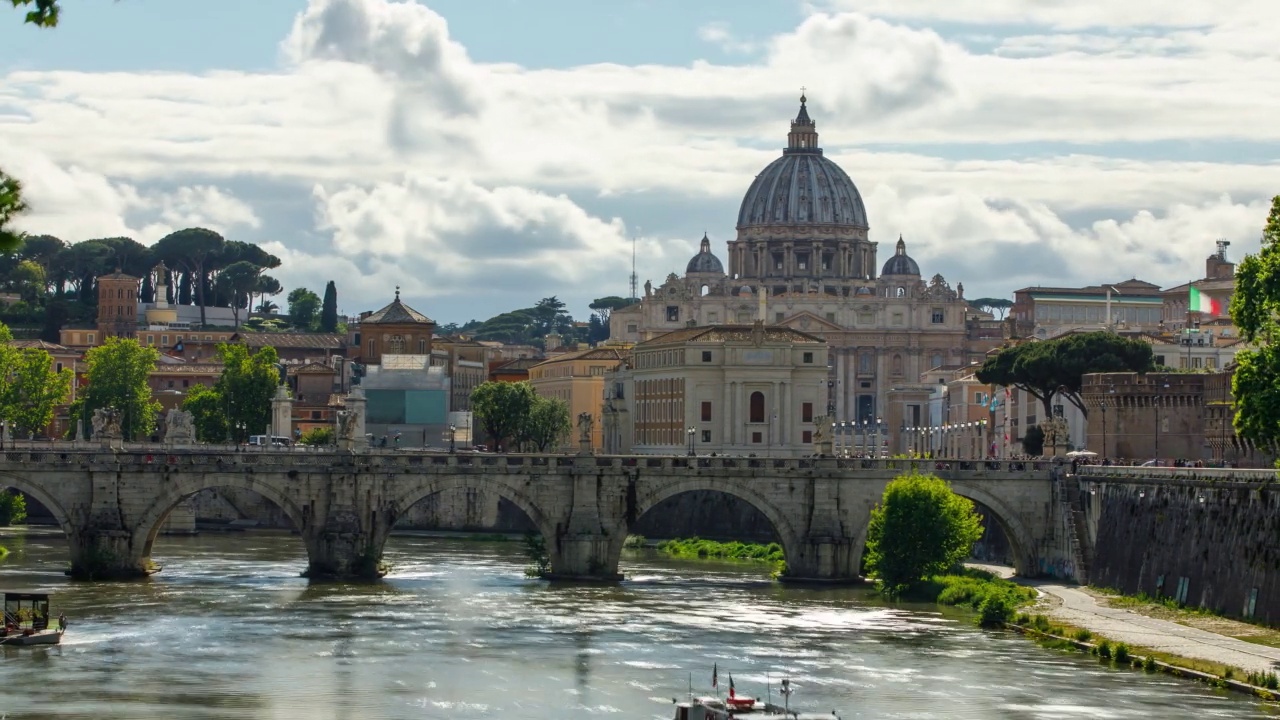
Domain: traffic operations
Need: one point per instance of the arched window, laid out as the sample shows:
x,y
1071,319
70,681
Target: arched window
x,y
395,346
757,407
902,292
897,364
936,360
706,290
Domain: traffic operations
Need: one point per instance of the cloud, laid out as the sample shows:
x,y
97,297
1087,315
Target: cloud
x,y
380,152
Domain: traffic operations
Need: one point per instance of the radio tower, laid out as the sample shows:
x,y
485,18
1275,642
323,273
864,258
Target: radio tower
x,y
634,277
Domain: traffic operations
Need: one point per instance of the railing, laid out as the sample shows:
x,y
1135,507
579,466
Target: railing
x,y
212,456
1178,473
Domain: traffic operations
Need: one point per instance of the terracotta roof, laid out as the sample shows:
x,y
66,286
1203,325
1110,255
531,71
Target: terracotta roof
x,y
306,341
40,345
588,354
312,368
397,313
731,333
516,365
190,369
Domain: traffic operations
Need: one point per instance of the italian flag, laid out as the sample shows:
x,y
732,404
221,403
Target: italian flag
x,y
1202,303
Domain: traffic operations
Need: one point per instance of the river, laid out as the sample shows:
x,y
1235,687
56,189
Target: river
x,y
228,630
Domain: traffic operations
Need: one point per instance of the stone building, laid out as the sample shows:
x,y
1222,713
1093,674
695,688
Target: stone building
x,y
1147,416
736,389
1216,288
803,258
117,306
1047,312
396,329
577,378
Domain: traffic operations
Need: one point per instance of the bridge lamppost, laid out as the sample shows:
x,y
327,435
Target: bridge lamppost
x,y
879,432
690,433
843,425
453,433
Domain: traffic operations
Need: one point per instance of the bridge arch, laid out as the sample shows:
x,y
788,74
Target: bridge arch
x,y
1010,522
436,484
185,485
9,480
650,494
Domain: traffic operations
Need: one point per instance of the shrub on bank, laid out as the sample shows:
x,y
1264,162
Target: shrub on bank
x,y
13,508
919,530
710,549
995,599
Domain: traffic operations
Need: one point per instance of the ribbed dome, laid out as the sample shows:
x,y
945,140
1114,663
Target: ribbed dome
x,y
705,261
901,263
802,187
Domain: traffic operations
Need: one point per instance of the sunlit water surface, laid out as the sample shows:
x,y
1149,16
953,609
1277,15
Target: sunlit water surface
x,y
229,630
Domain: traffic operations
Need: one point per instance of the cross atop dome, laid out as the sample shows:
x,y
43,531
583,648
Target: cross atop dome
x,y
804,134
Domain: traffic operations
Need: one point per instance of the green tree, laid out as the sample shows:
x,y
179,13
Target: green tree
x,y
43,14
208,415
28,280
329,309
548,423
13,508
317,436
267,285
237,282
246,387
116,374
1033,441
502,409
1057,367
11,206
193,250
920,529
304,307
1254,308
34,389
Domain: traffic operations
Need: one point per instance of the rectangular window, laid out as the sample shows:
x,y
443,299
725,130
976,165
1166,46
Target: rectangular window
x,y
897,318
806,437
706,436
706,411
831,317
673,313
632,328
802,262
808,358
186,383
422,347
370,348
151,339
58,367
1159,359
938,316
315,414
164,340
706,356
806,412
170,383
89,338
756,438
778,317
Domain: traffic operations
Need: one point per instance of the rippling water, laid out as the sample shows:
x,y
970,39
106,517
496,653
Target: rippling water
x,y
229,630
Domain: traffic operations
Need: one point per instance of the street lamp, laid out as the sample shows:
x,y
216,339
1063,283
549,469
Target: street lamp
x,y
453,431
878,433
843,425
691,431
1156,399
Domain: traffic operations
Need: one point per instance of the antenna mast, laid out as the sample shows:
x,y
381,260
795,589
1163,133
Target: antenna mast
x,y
634,277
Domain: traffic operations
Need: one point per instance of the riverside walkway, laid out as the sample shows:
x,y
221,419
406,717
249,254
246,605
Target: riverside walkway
x,y
1082,609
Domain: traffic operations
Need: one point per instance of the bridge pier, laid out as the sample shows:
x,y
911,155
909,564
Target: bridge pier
x,y
587,546
108,555
827,560
344,555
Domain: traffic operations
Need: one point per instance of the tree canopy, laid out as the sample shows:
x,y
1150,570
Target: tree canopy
x,y
1254,307
547,425
33,389
920,529
502,409
1057,367
41,13
992,305
304,308
116,374
11,206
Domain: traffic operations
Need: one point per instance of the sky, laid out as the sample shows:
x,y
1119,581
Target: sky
x,y
483,155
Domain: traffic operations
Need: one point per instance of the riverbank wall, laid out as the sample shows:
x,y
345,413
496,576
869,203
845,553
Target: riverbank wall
x,y
1204,543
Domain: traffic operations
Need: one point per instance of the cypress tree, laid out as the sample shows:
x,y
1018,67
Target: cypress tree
x,y
184,289
148,292
329,309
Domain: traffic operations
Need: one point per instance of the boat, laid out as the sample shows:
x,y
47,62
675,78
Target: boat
x,y
741,706
26,621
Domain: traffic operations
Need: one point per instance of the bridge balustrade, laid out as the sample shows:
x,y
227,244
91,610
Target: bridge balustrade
x,y
1157,474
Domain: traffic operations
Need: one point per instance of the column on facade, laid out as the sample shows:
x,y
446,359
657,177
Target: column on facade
x,y
785,414
742,415
772,415
726,428
816,259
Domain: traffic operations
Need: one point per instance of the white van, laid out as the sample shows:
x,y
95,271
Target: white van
x,y
274,440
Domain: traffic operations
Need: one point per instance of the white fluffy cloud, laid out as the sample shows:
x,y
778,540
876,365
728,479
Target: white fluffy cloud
x,y
381,153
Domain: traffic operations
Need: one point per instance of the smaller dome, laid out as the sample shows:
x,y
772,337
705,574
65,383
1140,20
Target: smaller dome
x,y
901,263
705,261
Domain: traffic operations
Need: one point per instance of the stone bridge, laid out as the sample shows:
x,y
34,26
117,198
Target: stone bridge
x,y
112,503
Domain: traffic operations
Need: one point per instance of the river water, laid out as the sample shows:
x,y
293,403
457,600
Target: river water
x,y
229,630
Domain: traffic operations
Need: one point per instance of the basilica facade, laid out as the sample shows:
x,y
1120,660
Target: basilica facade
x,y
803,258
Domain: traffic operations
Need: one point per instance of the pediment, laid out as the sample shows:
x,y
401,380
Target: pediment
x,y
806,321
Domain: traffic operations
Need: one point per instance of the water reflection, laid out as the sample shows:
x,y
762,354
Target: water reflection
x,y
229,630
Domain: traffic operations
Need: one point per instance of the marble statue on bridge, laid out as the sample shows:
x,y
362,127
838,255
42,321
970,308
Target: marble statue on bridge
x,y
586,421
179,428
